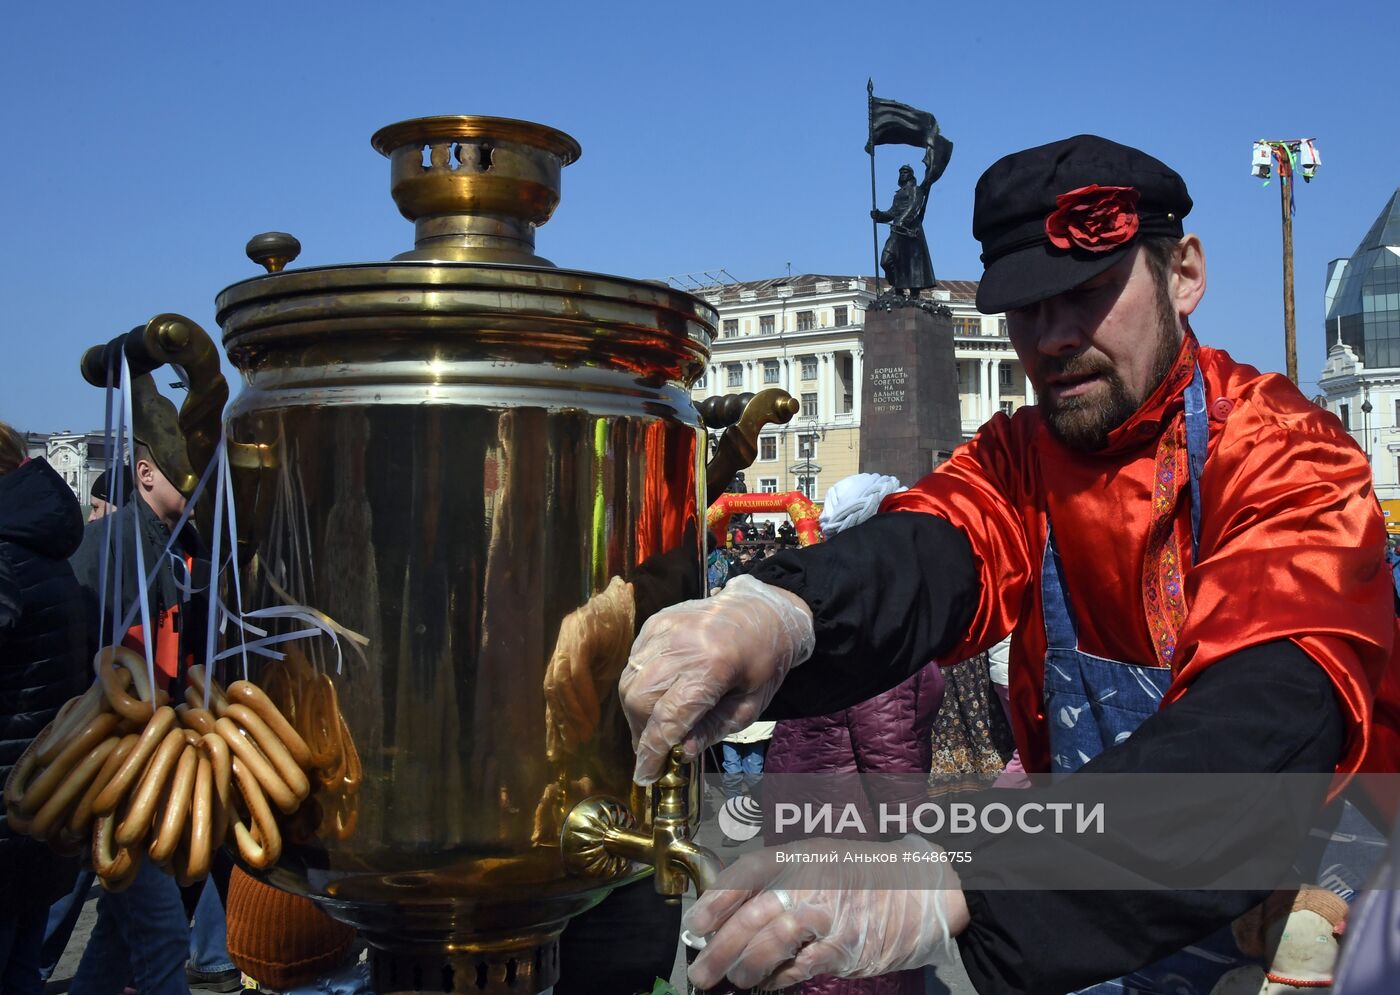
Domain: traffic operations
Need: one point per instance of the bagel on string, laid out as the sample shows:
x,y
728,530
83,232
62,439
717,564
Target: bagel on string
x,y
273,748
134,766
115,867
259,844
46,783
141,809
252,697
221,786
81,820
112,661
52,815
173,818
196,853
73,716
254,763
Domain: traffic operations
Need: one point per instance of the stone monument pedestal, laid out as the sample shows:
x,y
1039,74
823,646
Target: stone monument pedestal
x,y
909,415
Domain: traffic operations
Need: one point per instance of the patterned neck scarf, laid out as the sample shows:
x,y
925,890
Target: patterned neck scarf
x,y
1164,564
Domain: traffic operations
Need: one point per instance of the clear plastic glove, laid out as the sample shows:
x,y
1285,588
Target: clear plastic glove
x,y
769,924
700,670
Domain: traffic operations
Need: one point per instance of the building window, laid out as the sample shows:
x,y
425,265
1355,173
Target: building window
x,y
806,446
768,485
807,485
805,321
770,371
1007,407
734,375
809,405
767,447
841,314
700,384
1004,376
1397,412
809,367
847,403
1001,327
1344,413
765,324
967,326
731,327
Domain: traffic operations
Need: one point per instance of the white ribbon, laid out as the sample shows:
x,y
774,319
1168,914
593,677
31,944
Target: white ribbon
x,y
113,494
142,588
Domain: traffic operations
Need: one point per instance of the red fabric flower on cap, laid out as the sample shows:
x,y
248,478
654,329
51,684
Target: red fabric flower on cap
x,y
1093,218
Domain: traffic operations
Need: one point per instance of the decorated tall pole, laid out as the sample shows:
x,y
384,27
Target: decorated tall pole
x,y
1288,157
1290,335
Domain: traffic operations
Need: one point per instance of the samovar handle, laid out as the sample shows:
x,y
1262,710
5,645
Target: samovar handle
x,y
183,444
738,447
600,836
185,449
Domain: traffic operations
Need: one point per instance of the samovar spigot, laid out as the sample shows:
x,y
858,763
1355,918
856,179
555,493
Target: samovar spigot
x,y
600,836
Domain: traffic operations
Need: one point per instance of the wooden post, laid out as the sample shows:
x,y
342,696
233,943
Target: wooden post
x,y
1290,344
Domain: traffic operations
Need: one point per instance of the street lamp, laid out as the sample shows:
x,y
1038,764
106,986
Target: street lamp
x,y
1366,410
807,470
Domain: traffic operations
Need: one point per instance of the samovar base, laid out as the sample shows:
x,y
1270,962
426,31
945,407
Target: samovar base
x,y
530,967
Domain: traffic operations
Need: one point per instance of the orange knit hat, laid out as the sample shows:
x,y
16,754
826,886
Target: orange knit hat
x,y
280,939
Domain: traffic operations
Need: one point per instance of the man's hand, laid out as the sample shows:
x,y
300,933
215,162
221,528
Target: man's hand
x,y
700,670
770,922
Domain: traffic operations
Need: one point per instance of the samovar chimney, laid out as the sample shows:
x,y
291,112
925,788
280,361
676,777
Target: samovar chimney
x,y
475,188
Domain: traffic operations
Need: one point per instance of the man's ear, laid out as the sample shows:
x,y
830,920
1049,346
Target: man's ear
x,y
1188,274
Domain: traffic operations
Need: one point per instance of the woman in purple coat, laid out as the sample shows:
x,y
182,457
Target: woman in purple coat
x,y
888,734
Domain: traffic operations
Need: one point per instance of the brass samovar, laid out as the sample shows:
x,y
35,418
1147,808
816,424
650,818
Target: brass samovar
x,y
482,471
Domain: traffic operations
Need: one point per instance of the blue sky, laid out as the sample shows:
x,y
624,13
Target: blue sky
x,y
147,142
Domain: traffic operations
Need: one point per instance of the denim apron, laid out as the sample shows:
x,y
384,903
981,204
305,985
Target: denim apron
x,y
1092,703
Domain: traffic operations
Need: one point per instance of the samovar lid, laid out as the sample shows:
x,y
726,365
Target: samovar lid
x,y
475,188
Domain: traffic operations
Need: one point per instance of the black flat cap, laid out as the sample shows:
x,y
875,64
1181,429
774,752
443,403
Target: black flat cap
x,y
102,485
1051,217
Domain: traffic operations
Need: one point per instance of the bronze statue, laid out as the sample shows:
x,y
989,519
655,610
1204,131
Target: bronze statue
x,y
905,259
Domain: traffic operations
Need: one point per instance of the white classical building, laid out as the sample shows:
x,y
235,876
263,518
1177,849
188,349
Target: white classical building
x,y
79,457
804,334
1368,403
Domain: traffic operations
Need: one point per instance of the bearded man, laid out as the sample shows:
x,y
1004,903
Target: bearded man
x,y
1166,520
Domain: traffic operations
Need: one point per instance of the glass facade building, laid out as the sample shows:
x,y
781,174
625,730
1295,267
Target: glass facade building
x,y
1363,293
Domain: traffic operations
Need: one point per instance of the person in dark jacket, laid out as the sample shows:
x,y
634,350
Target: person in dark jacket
x,y
143,933
891,733
41,667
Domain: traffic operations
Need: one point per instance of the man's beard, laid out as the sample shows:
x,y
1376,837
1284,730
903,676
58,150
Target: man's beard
x,y
1085,422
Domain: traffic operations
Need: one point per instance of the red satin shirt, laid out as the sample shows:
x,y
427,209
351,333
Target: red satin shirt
x,y
1291,547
